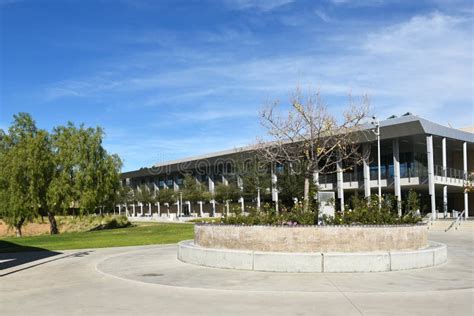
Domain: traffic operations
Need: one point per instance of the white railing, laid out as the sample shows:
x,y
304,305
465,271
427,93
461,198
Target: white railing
x,y
457,221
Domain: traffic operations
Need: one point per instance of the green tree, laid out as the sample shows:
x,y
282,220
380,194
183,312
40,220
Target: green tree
x,y
25,171
193,191
412,203
125,196
144,195
86,176
227,193
256,179
49,174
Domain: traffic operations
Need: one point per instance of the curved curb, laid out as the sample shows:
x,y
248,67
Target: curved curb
x,y
383,261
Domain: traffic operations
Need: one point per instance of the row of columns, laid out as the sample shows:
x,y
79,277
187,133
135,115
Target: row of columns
x,y
396,173
431,176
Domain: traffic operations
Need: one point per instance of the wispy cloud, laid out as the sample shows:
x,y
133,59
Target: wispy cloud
x,y
421,65
263,5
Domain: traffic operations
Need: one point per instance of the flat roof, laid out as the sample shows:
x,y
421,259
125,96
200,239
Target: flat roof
x,y
390,128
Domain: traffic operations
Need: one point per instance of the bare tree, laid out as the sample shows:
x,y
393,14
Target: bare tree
x,y
309,136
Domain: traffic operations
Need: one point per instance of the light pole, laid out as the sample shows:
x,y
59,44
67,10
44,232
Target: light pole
x,y
376,123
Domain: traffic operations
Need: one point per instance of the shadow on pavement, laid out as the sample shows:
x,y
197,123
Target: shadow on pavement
x,y
12,255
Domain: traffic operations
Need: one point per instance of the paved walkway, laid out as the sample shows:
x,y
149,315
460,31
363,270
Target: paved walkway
x,y
151,281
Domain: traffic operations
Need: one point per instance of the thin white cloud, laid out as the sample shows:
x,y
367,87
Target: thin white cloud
x,y
322,15
263,5
421,65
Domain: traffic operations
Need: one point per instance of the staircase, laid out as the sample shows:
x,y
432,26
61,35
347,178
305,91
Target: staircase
x,y
452,225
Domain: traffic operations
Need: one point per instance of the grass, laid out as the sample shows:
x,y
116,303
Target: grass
x,y
140,234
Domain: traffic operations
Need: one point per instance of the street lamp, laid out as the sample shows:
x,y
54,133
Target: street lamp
x,y
376,131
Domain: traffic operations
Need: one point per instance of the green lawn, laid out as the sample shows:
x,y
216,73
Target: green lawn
x,y
141,234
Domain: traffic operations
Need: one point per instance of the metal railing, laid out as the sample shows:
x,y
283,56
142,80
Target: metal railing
x,y
449,172
456,222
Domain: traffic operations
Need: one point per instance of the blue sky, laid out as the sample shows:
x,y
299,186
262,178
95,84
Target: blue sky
x,y
169,79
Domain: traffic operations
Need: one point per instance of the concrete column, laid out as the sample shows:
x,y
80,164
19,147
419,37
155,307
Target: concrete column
x,y
464,164
178,210
340,183
242,204
275,190
175,185
240,184
159,210
149,209
258,199
200,209
134,212
431,180
189,207
366,167
211,185
445,188
141,208
396,175
224,180
213,202
316,183
120,209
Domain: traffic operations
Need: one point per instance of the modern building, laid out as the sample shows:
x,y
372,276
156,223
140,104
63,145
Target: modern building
x,y
434,160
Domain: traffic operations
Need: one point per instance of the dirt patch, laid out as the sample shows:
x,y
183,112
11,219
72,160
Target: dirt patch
x,y
30,229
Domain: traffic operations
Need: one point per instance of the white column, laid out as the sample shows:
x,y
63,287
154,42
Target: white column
x,y
396,175
189,207
445,188
133,207
200,209
211,185
366,167
159,210
120,209
258,199
275,190
149,209
141,208
464,163
340,183
177,208
240,184
213,202
431,182
224,180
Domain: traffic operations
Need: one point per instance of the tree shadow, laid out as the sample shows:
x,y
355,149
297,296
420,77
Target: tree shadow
x,y
13,255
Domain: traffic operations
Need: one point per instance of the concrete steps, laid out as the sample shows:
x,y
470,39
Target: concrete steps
x,y
442,225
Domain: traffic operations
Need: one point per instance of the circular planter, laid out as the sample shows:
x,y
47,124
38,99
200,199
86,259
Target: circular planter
x,y
312,238
312,248
321,262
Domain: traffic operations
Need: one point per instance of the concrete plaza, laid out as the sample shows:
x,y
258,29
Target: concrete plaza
x,y
150,280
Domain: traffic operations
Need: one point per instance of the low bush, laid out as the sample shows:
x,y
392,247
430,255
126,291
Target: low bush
x,y
111,222
363,212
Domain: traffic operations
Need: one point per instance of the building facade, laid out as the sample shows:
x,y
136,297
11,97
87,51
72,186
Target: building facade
x,y
434,160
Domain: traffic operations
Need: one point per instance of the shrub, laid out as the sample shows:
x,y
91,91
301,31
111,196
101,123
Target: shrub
x,y
363,212
111,222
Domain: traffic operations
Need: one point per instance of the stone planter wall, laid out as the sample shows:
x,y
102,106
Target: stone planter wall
x,y
312,238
